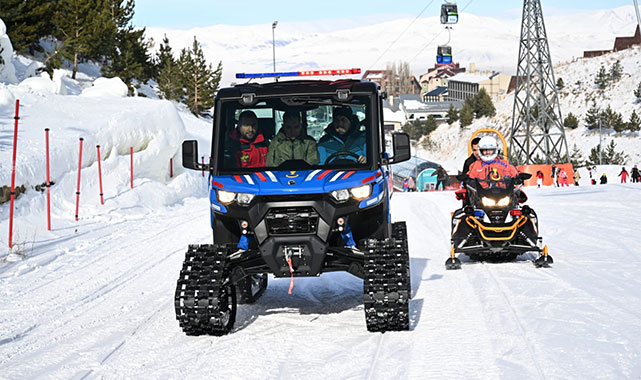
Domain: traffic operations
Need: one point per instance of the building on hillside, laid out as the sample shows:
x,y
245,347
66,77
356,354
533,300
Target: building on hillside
x,y
466,85
620,43
394,85
439,94
412,107
437,76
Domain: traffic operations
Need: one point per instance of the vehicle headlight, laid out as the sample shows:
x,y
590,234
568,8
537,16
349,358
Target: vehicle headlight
x,y
361,192
244,199
225,197
505,201
488,202
341,195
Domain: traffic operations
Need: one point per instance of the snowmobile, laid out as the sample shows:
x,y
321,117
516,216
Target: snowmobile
x,y
300,217
494,224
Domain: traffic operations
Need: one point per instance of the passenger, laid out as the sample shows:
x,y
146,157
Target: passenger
x,y
490,166
474,156
343,135
247,147
291,144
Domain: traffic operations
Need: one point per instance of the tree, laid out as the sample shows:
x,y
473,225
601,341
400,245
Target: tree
x,y
452,115
165,55
414,128
613,119
169,81
592,117
200,80
560,84
609,156
27,21
576,157
571,121
400,79
72,21
634,125
131,59
602,78
637,92
466,115
616,71
483,105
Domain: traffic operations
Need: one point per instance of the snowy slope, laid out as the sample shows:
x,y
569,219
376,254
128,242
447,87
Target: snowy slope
x,y
491,43
95,300
450,141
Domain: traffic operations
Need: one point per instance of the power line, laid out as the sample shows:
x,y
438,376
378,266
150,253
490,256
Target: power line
x,y
400,35
435,37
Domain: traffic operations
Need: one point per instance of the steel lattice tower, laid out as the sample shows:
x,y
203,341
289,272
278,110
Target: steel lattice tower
x,y
537,129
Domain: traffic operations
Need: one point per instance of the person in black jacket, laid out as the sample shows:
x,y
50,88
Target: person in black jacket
x,y
636,176
474,156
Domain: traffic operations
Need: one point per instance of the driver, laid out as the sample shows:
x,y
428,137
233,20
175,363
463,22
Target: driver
x,y
490,167
291,143
342,135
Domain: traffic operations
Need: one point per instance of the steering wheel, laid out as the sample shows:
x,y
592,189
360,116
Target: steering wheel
x,y
333,156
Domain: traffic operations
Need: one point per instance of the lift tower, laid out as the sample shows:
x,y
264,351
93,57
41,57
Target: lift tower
x,y
537,129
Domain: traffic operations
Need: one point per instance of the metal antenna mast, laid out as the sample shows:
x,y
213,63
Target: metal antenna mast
x,y
537,129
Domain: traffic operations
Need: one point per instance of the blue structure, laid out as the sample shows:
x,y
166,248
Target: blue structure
x,y
411,168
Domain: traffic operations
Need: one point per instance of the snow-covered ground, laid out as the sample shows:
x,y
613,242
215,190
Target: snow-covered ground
x,y
94,299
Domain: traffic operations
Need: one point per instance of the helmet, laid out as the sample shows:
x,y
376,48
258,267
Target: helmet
x,y
488,148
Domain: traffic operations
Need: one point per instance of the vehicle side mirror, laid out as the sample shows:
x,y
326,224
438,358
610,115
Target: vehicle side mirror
x,y
190,155
524,176
401,145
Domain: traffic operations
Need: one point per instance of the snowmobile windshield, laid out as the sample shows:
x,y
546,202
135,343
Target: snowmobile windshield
x,y
295,132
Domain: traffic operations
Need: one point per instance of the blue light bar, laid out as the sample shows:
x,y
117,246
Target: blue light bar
x,y
266,75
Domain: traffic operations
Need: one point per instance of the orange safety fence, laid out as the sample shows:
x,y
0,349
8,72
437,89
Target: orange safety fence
x,y
547,173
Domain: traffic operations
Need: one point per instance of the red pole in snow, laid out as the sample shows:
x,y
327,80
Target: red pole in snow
x,y
79,169
203,166
171,168
102,202
131,153
13,170
48,184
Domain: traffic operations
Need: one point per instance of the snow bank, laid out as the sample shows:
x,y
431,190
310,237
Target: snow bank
x,y
7,71
107,87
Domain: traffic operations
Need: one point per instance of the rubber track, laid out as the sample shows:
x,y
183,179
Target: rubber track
x,y
201,298
387,283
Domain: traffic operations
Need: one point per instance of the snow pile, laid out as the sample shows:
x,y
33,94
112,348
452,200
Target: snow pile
x,y
106,87
7,71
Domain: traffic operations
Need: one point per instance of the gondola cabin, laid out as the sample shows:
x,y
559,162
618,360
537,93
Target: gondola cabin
x,y
444,54
449,13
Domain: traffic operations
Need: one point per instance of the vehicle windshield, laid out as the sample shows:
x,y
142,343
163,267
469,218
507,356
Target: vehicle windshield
x,y
295,133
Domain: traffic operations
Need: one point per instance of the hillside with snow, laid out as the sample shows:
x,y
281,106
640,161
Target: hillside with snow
x,y
491,43
578,95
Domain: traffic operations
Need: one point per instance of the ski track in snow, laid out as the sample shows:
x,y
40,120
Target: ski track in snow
x,y
98,303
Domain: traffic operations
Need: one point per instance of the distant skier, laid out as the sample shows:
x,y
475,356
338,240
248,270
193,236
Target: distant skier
x,y
411,184
604,179
539,178
555,176
441,177
624,175
563,177
577,177
406,185
636,176
592,171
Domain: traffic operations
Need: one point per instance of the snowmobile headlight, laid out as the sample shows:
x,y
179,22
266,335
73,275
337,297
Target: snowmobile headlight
x,y
341,195
244,199
488,202
225,197
361,192
505,201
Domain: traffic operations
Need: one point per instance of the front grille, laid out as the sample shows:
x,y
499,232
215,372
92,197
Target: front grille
x,y
291,220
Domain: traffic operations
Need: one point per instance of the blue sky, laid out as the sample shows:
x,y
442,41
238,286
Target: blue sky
x,y
192,13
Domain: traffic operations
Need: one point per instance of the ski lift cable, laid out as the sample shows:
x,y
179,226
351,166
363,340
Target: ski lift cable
x,y
435,37
400,35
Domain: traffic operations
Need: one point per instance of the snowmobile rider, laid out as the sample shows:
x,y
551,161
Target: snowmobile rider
x,y
473,157
342,135
291,143
490,166
247,147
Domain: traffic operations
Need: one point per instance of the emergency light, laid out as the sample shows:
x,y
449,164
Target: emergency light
x,y
298,73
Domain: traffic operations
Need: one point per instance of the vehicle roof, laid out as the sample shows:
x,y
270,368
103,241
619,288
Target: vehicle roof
x,y
298,87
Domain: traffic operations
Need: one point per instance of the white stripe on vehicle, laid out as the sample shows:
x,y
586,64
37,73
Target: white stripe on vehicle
x,y
312,174
334,178
271,176
249,179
